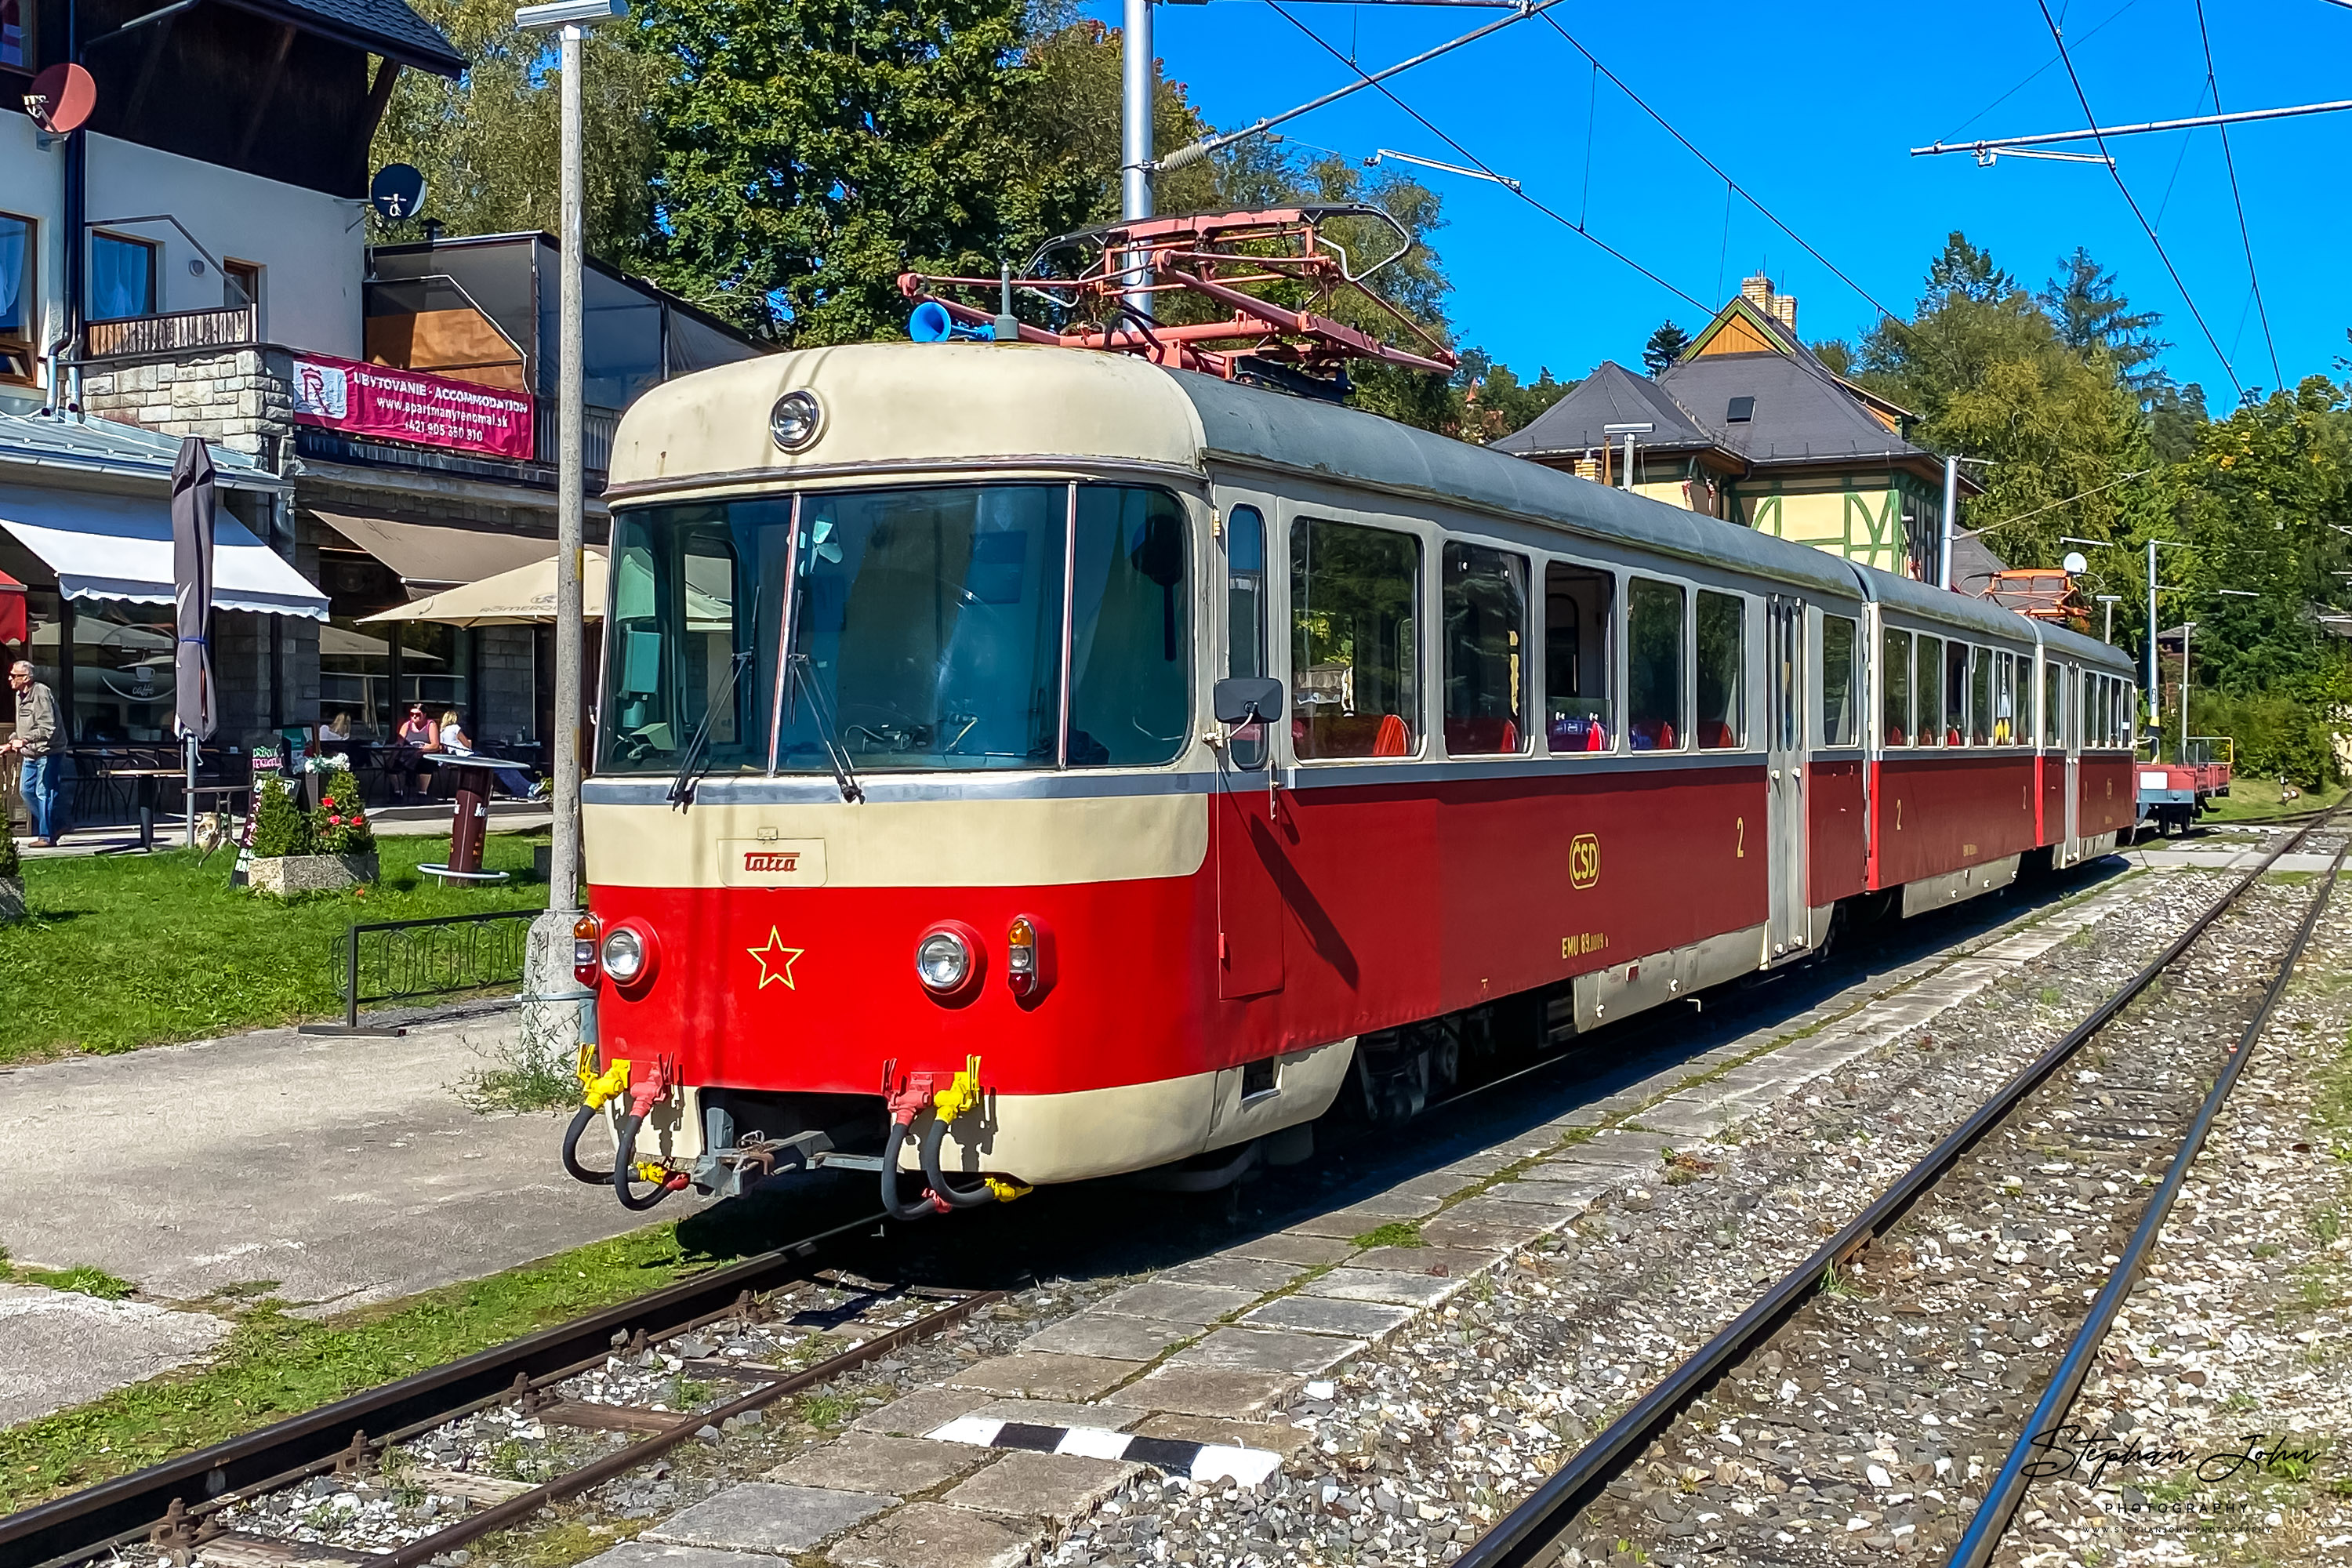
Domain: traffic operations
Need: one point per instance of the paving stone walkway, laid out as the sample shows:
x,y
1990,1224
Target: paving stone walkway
x,y
1214,1350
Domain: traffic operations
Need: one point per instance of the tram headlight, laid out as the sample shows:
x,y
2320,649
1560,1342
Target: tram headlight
x,y
948,960
796,420
628,956
943,959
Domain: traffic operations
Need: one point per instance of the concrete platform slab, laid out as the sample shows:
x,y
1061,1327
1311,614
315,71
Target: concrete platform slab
x,y
1056,1488
1267,1350
1572,1196
1500,1228
1442,1262
1103,1334
1420,1289
1476,1167
1256,1274
345,1169
933,1535
920,1411
1437,1184
1270,1436
1174,1303
1360,1219
1052,1413
1367,1321
65,1348
1205,1390
766,1516
1485,1210
664,1554
1288,1247
1026,1374
861,1462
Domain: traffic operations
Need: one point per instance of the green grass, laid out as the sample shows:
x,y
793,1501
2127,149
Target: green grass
x,y
180,956
274,1365
1396,1233
2253,799
86,1279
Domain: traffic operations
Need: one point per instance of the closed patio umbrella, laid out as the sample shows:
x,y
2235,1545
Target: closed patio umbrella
x,y
192,593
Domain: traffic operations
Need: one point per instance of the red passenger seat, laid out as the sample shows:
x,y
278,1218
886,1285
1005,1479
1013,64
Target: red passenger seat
x,y
1393,740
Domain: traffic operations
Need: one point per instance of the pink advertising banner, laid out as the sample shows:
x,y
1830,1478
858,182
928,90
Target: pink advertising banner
x,y
411,405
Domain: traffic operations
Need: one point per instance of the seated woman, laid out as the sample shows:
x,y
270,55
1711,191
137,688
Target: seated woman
x,y
416,735
456,742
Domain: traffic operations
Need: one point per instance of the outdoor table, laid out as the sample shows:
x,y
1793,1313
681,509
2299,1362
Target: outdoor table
x,y
144,798
468,825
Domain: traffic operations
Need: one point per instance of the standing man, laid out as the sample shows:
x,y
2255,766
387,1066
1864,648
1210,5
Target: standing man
x,y
37,739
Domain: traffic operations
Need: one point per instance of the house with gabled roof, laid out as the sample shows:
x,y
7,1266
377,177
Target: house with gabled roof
x,y
1749,426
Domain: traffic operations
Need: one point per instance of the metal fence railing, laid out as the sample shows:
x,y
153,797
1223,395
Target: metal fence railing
x,y
393,961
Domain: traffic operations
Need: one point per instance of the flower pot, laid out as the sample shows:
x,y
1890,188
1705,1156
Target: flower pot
x,y
284,876
12,898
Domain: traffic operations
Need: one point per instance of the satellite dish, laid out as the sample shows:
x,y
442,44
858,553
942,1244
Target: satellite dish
x,y
397,191
61,98
2074,563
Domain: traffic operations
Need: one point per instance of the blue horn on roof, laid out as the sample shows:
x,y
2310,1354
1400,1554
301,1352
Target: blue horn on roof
x,y
930,324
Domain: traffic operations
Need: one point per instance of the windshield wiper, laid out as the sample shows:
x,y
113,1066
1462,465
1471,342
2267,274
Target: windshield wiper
x,y
690,769
800,673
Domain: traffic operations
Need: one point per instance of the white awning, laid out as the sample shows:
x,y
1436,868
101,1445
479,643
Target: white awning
x,y
429,559
119,547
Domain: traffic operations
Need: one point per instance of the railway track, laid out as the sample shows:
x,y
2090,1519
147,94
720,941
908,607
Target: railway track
x,y
178,1507
1774,1355
210,1497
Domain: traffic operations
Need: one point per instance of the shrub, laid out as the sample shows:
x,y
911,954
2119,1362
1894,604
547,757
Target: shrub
x,y
279,825
2291,732
340,822
9,864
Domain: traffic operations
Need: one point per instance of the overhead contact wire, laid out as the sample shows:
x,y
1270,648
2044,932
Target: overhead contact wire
x,y
2230,162
2147,228
1481,165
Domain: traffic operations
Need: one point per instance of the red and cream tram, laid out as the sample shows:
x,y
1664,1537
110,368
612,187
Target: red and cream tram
x,y
1022,765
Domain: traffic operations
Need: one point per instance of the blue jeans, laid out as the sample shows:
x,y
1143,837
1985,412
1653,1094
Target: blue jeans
x,y
38,784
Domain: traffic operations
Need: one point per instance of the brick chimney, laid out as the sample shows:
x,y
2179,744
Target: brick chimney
x,y
1757,289
1784,311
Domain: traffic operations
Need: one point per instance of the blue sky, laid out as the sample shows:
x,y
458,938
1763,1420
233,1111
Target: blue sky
x,y
1813,107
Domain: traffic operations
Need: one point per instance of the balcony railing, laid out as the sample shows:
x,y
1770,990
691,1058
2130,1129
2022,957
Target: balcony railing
x,y
173,333
597,429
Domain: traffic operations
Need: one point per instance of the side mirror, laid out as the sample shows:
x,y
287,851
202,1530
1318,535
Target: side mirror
x,y
1247,700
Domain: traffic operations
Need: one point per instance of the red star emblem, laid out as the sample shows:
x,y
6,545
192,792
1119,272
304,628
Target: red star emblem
x,y
775,961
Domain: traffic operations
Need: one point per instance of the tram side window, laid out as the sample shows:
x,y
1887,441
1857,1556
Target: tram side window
x,y
2005,729
1980,697
1930,681
1355,670
1956,694
1895,688
2054,698
1485,610
1245,617
1130,637
1841,710
1654,666
1580,618
1722,671
2087,716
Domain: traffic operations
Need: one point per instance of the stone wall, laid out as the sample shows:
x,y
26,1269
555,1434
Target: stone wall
x,y
242,398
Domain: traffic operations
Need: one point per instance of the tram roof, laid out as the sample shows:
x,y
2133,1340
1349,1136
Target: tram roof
x,y
924,407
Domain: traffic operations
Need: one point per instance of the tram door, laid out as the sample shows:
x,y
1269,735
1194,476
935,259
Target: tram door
x,y
2070,739
1787,683
1248,856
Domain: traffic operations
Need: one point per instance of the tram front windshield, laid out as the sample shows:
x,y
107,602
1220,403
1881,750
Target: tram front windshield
x,y
926,630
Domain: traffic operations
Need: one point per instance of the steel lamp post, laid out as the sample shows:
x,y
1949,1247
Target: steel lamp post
x,y
555,999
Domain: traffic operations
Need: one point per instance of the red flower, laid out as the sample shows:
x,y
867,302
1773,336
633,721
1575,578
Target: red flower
x,y
336,820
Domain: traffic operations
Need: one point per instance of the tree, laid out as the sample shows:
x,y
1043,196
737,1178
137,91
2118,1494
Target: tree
x,y
486,141
2091,314
1665,346
1961,268
1489,401
809,151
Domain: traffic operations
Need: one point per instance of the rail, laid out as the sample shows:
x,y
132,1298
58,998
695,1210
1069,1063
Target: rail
x,y
1526,1536
431,957
176,1497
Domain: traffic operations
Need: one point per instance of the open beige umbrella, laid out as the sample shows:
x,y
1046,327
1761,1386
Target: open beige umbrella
x,y
526,596
521,597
